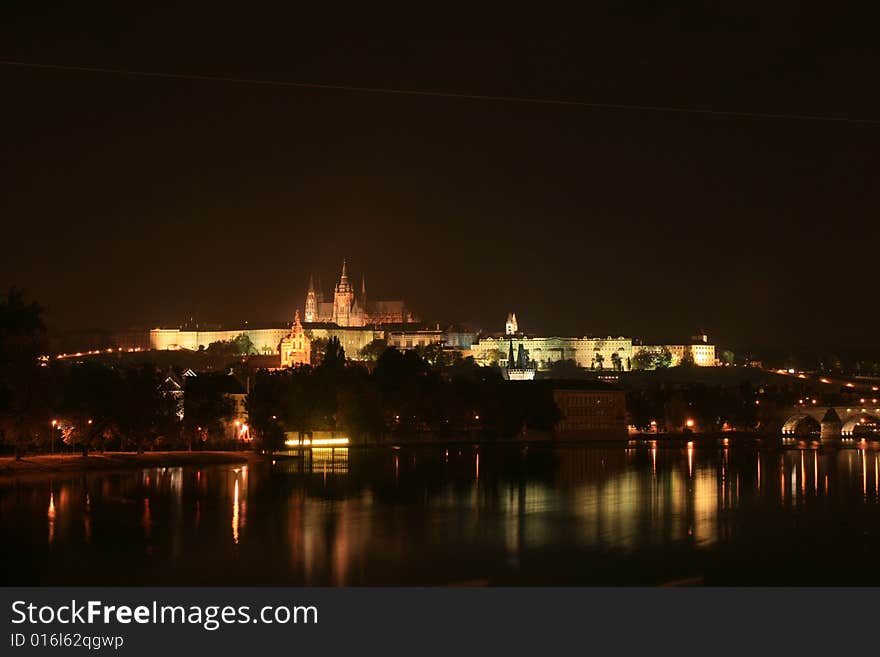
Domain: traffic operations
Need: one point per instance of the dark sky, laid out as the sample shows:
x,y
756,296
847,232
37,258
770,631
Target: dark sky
x,y
135,201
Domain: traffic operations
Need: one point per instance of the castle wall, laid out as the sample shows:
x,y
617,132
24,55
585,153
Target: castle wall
x,y
352,339
265,340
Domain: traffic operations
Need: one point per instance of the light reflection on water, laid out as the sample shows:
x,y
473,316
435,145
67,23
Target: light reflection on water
x,y
445,515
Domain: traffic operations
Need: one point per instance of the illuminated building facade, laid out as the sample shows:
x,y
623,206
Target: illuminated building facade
x,y
590,353
296,348
415,339
348,309
541,352
352,339
700,352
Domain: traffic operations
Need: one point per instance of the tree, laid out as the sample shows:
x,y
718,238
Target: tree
x,y
663,359
432,353
242,345
145,411
687,358
264,403
496,357
646,406
222,350
372,350
91,400
600,361
359,404
24,386
564,369
334,354
317,350
676,411
616,363
207,408
727,357
407,384
643,360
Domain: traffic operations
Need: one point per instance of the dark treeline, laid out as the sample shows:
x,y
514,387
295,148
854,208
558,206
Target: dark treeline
x,y
99,405
54,405
742,406
404,395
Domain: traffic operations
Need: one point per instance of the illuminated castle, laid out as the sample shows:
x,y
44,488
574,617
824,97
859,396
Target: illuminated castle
x,y
350,309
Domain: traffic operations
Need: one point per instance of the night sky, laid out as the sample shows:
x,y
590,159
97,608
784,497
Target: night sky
x,y
137,201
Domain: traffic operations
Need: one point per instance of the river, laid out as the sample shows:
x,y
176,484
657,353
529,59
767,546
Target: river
x,y
475,515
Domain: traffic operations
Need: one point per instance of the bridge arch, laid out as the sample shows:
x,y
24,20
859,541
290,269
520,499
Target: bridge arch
x,y
861,423
801,424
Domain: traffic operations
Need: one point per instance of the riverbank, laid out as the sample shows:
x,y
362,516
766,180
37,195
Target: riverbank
x,y
49,463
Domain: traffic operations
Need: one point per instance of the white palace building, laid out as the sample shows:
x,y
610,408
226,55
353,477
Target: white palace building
x,y
594,353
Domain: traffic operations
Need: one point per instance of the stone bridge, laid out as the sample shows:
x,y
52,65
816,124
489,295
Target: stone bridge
x,y
831,423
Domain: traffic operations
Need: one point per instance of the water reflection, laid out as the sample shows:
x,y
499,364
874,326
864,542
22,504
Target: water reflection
x,y
51,517
235,514
424,516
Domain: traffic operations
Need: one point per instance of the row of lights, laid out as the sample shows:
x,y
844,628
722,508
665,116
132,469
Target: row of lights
x,y
95,352
822,379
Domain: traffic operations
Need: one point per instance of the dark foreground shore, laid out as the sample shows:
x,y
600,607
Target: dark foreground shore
x,y
48,463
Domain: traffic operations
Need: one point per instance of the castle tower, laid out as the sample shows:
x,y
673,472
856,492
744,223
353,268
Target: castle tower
x,y
311,314
343,299
510,327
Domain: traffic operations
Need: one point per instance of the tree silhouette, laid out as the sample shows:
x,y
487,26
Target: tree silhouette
x,y
615,361
334,354
24,384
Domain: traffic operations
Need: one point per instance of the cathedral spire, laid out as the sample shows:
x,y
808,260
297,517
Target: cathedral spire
x,y
363,289
511,327
311,308
344,277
